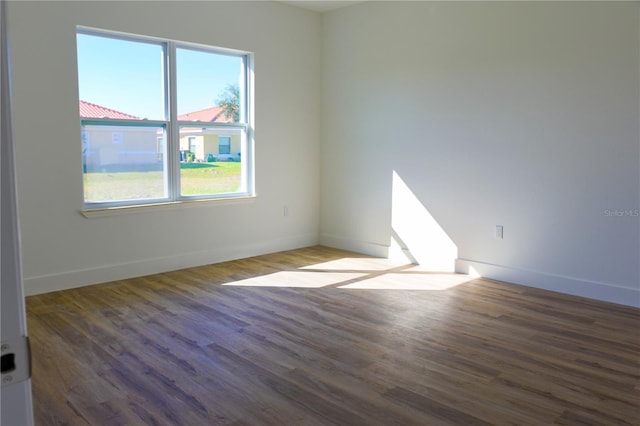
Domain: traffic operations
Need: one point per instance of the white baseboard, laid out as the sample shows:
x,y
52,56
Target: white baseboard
x,y
106,273
363,247
569,285
562,284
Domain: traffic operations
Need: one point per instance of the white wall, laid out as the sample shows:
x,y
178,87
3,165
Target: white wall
x,y
63,249
523,114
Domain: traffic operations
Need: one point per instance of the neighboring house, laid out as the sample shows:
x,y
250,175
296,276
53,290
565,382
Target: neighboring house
x,y
112,147
210,142
117,147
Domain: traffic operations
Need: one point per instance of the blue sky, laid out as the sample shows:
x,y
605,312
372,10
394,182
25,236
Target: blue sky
x,y
127,76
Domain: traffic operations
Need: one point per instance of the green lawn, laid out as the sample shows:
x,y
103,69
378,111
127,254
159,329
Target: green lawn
x,y
195,179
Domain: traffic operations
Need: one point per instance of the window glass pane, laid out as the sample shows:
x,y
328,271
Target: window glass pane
x,y
205,169
123,163
209,86
120,79
224,145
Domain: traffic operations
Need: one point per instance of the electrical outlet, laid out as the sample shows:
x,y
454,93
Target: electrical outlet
x,y
499,232
285,210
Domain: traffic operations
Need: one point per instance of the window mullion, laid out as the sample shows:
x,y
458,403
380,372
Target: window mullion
x,y
174,129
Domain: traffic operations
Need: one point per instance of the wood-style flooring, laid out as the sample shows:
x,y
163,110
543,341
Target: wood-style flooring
x,y
319,336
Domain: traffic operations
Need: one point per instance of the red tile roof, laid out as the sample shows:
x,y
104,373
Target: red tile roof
x,y
212,114
90,110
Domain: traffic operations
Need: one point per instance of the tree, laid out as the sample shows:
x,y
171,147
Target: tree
x,y
229,100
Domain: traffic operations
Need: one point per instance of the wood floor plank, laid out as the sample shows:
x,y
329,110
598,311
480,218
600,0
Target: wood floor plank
x,y
319,336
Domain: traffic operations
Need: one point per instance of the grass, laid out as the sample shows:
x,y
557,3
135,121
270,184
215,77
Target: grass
x,y
195,179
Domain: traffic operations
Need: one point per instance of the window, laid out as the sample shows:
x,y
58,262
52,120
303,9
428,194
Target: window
x,y
224,144
162,121
192,144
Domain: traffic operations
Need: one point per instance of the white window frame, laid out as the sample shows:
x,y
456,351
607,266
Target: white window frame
x,y
172,125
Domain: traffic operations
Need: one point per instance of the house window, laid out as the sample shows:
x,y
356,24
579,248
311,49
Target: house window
x,y
160,147
192,144
224,144
145,104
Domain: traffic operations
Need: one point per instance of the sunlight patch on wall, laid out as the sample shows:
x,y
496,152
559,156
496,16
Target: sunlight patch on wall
x,y
416,234
472,272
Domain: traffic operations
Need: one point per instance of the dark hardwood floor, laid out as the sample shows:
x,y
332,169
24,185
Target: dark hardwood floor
x,y
319,336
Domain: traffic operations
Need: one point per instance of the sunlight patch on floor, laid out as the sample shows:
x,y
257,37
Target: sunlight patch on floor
x,y
298,279
356,264
408,281
360,274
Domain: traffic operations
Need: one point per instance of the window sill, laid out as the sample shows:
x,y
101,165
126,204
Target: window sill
x,y
171,205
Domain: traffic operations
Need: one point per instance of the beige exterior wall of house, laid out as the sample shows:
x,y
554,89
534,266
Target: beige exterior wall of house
x,y
209,143
109,146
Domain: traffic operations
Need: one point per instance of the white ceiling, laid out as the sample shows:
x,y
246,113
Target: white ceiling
x,y
327,5
321,5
